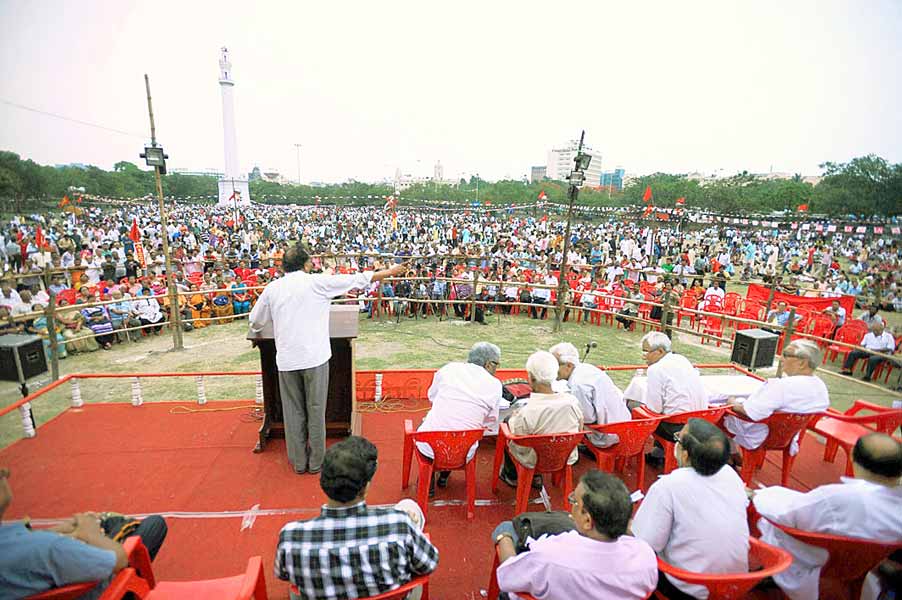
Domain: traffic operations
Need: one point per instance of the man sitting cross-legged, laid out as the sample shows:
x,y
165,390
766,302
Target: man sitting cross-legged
x,y
324,557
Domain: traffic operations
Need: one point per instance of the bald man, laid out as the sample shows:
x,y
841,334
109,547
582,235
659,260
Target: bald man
x,y
866,506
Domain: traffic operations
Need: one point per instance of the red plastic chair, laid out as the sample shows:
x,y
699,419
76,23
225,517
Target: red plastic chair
x,y
887,365
850,560
713,325
687,302
450,449
850,334
782,428
397,594
67,592
68,294
633,435
552,452
709,414
494,590
731,302
735,586
821,326
249,585
842,430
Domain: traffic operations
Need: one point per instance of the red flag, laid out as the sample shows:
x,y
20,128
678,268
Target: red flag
x,y
681,201
544,218
646,197
78,200
135,233
39,239
803,207
64,201
543,195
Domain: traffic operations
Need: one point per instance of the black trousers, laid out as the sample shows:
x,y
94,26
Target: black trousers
x,y
669,590
152,532
666,430
854,355
534,310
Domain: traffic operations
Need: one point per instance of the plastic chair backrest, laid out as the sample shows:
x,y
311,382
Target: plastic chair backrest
x,y
552,450
67,592
450,447
712,415
850,334
885,419
733,586
632,435
850,558
731,301
782,427
820,326
397,594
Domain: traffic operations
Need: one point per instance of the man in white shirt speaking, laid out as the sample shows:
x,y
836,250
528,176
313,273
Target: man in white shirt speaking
x,y
600,400
464,396
695,517
865,507
298,307
799,392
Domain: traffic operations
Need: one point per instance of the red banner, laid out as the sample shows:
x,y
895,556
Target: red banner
x,y
761,293
139,254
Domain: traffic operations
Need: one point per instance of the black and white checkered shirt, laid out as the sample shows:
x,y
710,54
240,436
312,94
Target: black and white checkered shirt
x,y
353,552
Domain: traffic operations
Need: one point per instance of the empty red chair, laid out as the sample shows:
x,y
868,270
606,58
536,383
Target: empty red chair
x,y
850,558
552,451
687,302
735,586
850,334
709,414
782,428
494,591
821,326
713,324
398,594
842,430
731,302
633,435
450,449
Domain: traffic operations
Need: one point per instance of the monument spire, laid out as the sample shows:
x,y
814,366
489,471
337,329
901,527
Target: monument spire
x,y
233,188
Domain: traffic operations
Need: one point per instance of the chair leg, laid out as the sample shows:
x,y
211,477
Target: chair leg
x,y
603,462
405,461
830,449
524,484
669,460
568,484
499,457
471,488
425,477
850,472
640,472
788,460
494,590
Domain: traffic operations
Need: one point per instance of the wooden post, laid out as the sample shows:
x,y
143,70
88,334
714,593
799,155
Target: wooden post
x,y
787,337
770,296
473,298
665,316
378,308
49,312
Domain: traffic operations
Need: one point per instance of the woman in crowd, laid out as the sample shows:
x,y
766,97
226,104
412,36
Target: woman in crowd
x,y
39,327
77,335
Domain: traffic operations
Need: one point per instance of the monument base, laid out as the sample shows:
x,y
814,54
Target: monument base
x,y
227,187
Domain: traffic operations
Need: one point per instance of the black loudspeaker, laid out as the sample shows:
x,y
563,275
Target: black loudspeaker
x,y
21,357
754,348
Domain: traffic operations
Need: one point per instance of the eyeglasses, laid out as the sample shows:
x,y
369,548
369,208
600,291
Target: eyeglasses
x,y
790,355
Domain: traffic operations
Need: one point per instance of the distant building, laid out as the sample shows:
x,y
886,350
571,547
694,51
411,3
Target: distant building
x,y
613,180
560,163
270,175
198,172
438,173
537,174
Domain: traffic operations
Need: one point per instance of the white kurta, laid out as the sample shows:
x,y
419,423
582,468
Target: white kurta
x,y
854,508
674,386
463,396
600,400
298,306
797,394
696,523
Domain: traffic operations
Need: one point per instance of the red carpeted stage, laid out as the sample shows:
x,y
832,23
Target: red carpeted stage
x,y
151,459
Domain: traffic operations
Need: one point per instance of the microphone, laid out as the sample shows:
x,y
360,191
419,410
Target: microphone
x,y
589,347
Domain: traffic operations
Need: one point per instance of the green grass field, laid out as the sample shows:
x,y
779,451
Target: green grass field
x,y
381,345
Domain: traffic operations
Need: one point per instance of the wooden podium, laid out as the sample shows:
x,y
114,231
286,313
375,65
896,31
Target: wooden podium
x,y
341,403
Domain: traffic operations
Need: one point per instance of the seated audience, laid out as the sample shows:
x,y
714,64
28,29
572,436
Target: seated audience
x,y
695,517
544,412
878,340
866,506
323,557
464,396
86,547
600,400
800,391
596,560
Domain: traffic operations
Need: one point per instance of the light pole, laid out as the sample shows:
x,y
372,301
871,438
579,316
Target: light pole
x,y
577,177
298,148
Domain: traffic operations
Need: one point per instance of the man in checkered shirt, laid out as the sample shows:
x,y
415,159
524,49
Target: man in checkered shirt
x,y
352,550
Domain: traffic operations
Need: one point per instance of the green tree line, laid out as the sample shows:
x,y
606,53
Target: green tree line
x,y
867,185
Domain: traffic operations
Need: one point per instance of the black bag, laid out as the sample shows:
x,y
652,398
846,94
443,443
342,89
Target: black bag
x,y
535,524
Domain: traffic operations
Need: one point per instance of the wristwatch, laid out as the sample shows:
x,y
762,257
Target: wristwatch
x,y
501,536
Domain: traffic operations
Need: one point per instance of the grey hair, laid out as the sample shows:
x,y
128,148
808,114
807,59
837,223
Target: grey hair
x,y
565,352
542,367
809,351
657,340
484,352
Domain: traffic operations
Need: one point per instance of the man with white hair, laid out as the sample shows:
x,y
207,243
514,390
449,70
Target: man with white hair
x,y
464,396
674,386
545,412
600,400
800,391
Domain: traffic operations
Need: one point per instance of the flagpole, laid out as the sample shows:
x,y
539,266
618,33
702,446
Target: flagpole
x,y
562,283
175,312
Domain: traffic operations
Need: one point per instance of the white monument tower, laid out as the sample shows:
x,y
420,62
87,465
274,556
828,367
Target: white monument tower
x,y
233,190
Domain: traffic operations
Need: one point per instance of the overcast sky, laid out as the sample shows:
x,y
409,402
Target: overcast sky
x,y
484,86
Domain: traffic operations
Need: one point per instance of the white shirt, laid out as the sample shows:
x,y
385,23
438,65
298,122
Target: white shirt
x,y
147,308
463,396
558,412
600,400
696,523
298,306
885,342
854,508
797,394
714,291
674,386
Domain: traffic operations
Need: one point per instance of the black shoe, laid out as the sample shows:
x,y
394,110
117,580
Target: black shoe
x,y
866,378
443,478
537,482
507,479
653,461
